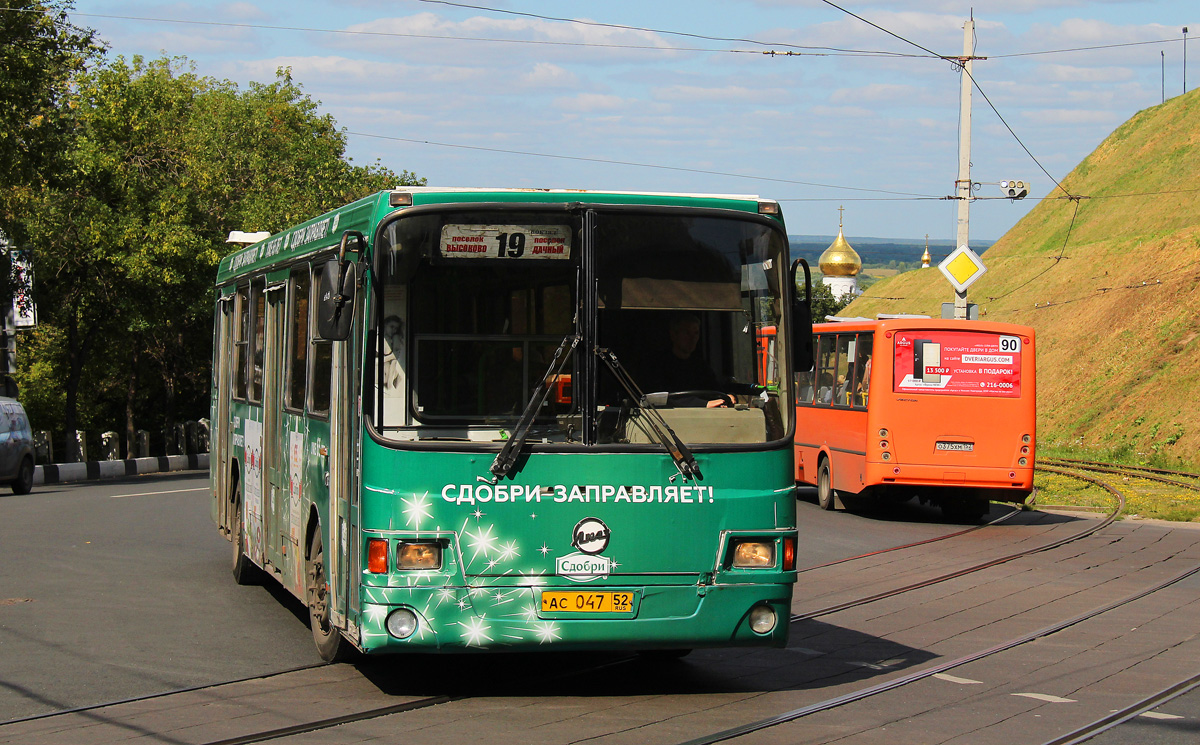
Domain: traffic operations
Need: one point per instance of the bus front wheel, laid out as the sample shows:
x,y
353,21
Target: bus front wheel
x,y
826,496
331,645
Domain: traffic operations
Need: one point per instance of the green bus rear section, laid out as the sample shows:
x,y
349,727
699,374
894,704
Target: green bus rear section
x,y
670,543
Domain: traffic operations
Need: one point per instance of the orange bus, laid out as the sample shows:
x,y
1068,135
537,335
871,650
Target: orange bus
x,y
905,407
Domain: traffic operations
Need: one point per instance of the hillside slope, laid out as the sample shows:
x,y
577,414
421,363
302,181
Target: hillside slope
x,y
1116,304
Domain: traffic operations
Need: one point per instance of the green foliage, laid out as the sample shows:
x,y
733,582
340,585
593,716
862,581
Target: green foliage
x,y
40,52
164,164
824,303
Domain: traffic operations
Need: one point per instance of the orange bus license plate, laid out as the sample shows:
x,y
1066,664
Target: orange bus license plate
x,y
587,602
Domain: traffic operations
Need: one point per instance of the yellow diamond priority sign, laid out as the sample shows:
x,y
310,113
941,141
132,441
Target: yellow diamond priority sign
x,y
962,267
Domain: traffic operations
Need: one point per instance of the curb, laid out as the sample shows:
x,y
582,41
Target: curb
x,y
62,473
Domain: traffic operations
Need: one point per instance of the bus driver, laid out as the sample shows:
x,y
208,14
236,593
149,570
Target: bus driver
x,y
683,368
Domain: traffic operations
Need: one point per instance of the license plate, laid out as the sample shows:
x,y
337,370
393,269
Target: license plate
x,y
587,602
962,447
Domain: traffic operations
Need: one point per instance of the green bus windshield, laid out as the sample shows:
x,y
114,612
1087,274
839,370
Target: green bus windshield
x,y
477,303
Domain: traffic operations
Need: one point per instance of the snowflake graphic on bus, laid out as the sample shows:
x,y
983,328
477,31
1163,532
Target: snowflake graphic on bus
x,y
958,363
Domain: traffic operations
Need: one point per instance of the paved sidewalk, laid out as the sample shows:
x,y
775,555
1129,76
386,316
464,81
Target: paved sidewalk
x,y
61,473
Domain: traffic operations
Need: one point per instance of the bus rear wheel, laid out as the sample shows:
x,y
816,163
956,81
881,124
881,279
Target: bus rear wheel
x,y
826,496
243,569
331,645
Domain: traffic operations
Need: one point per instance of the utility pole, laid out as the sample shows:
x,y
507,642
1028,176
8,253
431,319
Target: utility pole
x,y
962,186
1185,59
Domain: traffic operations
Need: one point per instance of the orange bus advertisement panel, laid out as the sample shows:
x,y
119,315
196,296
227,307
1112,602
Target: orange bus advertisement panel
x,y
957,363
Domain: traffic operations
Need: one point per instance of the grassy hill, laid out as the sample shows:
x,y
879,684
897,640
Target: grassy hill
x,y
1113,293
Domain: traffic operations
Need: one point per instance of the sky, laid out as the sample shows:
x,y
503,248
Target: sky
x,y
682,95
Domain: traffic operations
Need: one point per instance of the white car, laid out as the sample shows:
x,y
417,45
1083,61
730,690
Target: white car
x,y
16,446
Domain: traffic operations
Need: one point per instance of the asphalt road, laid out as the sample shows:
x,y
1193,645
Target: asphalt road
x,y
116,589
121,588
111,590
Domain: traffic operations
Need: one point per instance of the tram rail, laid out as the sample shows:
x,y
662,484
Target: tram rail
x,y
1141,472
428,701
1090,530
1078,735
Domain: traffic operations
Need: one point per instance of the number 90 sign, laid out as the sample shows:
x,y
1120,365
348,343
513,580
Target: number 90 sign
x,y
506,242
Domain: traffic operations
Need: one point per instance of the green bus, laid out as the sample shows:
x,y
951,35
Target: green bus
x,y
511,419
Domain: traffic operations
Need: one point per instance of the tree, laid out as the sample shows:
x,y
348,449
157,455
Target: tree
x,y
165,163
40,53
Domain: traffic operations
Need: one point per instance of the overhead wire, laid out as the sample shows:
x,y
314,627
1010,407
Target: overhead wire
x,y
664,32
816,51
608,161
1057,259
1084,49
828,51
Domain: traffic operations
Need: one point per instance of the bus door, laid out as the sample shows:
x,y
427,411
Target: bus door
x,y
275,448
334,373
849,437
223,355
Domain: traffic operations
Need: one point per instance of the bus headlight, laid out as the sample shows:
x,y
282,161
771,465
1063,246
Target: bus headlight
x,y
402,623
762,619
419,556
754,554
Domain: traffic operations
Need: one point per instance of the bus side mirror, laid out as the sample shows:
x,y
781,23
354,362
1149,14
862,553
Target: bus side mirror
x,y
335,295
801,326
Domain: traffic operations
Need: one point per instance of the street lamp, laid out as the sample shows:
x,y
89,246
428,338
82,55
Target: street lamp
x,y
1185,59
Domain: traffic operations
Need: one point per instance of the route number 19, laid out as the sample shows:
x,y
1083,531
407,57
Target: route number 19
x,y
511,245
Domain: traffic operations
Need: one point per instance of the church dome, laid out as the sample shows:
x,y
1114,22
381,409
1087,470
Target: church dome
x,y
840,259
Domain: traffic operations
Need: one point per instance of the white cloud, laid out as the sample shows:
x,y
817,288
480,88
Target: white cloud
x,y
546,75
875,92
591,102
1073,74
242,11
732,94
314,71
1073,116
842,112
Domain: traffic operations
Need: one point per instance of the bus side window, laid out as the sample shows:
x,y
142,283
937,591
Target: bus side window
x,y
808,379
298,343
862,369
845,370
258,306
240,342
321,361
826,368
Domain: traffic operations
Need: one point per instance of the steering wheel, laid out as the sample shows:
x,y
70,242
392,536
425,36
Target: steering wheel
x,y
675,398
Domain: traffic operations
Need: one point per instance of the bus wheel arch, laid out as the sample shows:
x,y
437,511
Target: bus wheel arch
x,y
312,527
826,495
242,567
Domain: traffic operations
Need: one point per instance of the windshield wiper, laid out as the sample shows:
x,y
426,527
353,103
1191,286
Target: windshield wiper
x,y
685,463
508,454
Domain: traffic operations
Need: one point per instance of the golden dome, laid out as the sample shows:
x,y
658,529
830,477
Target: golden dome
x,y
840,259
